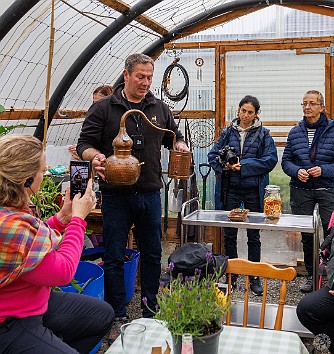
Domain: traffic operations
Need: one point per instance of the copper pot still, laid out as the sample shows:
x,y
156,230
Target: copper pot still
x,y
123,169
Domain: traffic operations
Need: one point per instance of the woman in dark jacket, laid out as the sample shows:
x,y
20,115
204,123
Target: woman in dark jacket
x,y
308,158
245,180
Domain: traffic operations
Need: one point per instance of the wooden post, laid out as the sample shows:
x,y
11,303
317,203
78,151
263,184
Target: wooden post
x,y
48,80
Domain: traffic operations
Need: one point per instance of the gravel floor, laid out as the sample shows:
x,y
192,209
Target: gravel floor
x,y
293,297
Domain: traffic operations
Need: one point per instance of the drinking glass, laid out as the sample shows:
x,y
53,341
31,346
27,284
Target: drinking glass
x,y
133,338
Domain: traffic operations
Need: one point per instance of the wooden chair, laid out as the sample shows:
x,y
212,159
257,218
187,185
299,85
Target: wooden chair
x,y
265,271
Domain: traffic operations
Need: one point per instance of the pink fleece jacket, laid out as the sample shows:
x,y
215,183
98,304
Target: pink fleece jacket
x,y
29,294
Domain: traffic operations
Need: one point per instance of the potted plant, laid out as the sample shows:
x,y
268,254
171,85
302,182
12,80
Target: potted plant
x,y
46,198
191,305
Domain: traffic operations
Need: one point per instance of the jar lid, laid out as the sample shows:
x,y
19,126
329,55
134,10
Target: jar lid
x,y
272,187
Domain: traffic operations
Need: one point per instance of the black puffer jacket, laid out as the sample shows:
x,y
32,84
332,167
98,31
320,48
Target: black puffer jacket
x,y
102,125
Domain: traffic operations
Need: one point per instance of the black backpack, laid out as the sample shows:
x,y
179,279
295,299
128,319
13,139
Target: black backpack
x,y
193,256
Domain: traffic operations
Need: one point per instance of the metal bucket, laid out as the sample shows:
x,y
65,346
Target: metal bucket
x,y
179,164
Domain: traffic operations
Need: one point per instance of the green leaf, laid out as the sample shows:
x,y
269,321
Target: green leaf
x,y
6,130
45,198
75,284
2,108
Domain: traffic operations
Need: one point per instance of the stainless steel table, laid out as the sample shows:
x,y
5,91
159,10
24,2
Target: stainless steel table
x,y
286,222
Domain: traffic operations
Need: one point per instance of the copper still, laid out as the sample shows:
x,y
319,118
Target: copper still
x,y
123,169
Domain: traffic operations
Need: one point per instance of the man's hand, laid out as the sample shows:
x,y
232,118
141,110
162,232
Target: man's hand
x,y
73,151
314,171
181,146
303,175
98,164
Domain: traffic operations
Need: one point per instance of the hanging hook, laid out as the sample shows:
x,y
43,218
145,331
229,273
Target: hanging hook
x,y
58,111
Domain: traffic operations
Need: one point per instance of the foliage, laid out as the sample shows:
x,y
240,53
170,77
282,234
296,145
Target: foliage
x,y
2,108
45,198
190,304
6,130
74,283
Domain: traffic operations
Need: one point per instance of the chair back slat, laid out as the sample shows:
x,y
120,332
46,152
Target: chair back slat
x,y
266,271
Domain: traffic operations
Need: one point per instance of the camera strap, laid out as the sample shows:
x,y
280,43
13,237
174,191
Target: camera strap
x,y
225,185
226,173
228,133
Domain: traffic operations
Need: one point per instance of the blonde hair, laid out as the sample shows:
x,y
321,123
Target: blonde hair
x,y
20,159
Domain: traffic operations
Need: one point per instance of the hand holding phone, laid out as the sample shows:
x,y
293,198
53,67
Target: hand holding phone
x,y
82,206
80,173
65,213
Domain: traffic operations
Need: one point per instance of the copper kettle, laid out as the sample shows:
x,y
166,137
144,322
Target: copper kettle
x,y
123,169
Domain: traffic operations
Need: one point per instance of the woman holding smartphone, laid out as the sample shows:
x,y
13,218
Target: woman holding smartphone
x,y
35,256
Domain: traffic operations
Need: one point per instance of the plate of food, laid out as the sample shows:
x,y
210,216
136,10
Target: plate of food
x,y
238,214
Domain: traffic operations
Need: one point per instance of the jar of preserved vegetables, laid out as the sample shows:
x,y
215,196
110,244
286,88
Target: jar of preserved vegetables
x,y
272,202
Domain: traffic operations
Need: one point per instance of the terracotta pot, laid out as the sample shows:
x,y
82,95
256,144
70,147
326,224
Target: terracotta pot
x,y
208,344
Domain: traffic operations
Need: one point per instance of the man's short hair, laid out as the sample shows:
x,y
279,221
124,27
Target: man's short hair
x,y
137,58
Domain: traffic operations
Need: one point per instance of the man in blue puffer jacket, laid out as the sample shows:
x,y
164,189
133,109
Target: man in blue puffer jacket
x,y
308,159
244,181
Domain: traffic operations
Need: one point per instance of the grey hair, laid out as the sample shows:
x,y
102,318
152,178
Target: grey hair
x,y
137,58
315,92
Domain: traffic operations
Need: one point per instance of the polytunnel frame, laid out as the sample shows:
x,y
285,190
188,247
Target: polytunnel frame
x,y
20,7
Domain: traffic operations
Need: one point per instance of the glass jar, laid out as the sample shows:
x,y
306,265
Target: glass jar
x,y
187,344
272,202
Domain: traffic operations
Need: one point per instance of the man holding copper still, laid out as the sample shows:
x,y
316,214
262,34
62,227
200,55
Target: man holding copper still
x,y
139,203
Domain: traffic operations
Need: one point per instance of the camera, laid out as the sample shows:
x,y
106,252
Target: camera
x,y
227,154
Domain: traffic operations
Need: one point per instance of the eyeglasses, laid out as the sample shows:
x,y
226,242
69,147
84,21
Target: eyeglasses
x,y
311,104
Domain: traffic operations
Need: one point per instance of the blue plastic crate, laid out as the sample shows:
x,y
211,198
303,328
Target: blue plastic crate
x,y
130,267
88,271
96,348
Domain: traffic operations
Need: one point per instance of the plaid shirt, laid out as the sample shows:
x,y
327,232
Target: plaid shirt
x,y
24,242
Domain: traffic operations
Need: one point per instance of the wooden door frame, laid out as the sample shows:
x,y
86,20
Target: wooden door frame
x,y
299,44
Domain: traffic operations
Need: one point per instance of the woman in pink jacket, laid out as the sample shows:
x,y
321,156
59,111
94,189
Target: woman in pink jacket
x,y
35,256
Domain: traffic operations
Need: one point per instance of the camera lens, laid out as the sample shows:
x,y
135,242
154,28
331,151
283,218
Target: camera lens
x,y
231,157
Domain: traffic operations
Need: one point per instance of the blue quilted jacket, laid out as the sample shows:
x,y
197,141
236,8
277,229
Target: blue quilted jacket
x,y
296,156
258,158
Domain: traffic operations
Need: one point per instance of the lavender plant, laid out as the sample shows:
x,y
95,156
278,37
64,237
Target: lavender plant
x,y
190,304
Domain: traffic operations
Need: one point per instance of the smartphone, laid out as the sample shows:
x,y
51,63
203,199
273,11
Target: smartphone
x,y
80,172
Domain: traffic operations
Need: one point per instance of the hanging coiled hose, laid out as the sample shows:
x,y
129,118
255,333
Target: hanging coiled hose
x,y
184,93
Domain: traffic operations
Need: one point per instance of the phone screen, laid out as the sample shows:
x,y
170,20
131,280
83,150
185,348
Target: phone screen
x,y
79,176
